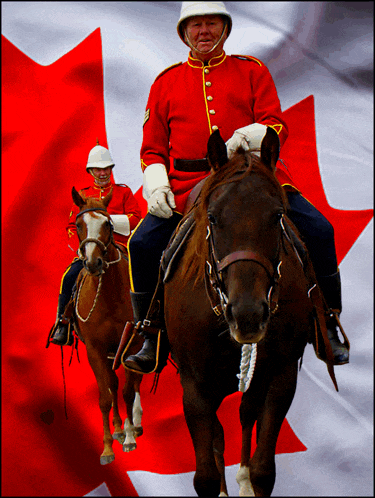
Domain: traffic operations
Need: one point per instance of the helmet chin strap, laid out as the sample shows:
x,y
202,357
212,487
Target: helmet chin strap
x,y
101,182
212,49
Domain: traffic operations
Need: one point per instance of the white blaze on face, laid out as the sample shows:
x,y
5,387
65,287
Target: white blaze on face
x,y
94,222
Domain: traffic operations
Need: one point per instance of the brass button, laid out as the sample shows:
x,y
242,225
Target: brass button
x,y
206,71
212,111
209,98
208,83
215,127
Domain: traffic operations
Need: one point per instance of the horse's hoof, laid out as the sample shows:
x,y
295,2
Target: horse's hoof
x,y
119,436
105,459
129,447
138,431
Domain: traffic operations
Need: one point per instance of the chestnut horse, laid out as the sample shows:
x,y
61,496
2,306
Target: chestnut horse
x,y
240,281
102,308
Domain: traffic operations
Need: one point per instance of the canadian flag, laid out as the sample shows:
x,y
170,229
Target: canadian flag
x,y
73,72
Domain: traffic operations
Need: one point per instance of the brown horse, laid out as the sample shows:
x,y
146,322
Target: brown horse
x,y
102,308
240,281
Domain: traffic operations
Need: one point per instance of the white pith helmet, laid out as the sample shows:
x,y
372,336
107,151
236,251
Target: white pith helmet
x,y
99,157
191,9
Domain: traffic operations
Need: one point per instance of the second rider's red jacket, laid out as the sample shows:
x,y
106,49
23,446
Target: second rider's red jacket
x,y
122,202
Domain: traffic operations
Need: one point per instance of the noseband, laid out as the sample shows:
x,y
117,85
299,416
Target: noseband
x,y
101,244
216,268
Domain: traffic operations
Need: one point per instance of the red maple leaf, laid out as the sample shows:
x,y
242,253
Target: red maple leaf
x,y
301,158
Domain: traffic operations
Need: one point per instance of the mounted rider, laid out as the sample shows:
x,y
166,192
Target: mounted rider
x,y
125,215
238,97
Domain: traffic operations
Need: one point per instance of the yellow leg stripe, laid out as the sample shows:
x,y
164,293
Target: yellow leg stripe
x,y
65,272
130,259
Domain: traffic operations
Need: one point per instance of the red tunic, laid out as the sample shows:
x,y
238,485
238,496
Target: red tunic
x,y
122,202
188,101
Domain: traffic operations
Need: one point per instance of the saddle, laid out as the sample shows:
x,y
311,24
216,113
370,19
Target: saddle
x,y
155,317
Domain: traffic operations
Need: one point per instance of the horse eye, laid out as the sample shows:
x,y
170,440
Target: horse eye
x,y
211,218
279,215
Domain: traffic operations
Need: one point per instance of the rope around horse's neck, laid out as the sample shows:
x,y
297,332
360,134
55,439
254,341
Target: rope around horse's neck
x,y
95,300
248,359
97,290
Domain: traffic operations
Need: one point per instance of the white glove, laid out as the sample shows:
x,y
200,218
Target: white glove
x,y
121,224
157,191
249,137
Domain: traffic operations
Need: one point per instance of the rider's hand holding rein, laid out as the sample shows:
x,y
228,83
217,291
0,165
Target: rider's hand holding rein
x,y
249,138
157,191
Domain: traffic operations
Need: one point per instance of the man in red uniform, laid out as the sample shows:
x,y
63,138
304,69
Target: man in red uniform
x,y
187,102
125,215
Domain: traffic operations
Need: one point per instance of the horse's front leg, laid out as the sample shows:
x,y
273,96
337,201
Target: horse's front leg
x,y
107,383
118,433
248,412
218,447
200,416
132,425
278,399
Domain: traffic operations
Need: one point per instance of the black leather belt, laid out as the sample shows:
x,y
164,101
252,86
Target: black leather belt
x,y
191,165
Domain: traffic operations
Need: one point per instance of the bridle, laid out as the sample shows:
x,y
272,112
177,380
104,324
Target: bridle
x,y
101,244
215,268
107,263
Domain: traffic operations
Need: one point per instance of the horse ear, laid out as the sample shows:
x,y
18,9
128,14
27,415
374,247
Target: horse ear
x,y
77,199
216,151
107,198
269,150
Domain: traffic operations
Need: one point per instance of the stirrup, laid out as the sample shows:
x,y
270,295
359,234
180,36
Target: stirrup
x,y
161,356
342,349
62,334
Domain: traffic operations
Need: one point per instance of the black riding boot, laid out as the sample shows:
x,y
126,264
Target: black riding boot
x,y
61,337
331,288
145,360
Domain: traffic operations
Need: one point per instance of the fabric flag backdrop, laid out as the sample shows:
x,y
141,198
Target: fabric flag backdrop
x,y
76,71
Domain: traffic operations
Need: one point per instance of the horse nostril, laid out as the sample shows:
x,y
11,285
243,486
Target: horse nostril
x,y
228,312
266,312
100,262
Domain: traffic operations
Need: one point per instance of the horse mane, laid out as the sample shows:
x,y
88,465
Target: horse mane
x,y
240,166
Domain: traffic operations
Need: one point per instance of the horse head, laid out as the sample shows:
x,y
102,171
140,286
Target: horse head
x,y
244,204
94,230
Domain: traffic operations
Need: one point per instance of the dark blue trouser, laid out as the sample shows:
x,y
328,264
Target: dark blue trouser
x,y
317,233
146,246
69,278
151,237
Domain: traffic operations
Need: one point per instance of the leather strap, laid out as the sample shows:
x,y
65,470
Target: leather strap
x,y
191,165
245,256
90,209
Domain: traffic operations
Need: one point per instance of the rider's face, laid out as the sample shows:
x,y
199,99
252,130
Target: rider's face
x,y
101,173
204,32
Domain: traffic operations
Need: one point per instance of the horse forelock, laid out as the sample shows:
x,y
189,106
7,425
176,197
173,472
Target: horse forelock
x,y
92,202
239,167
